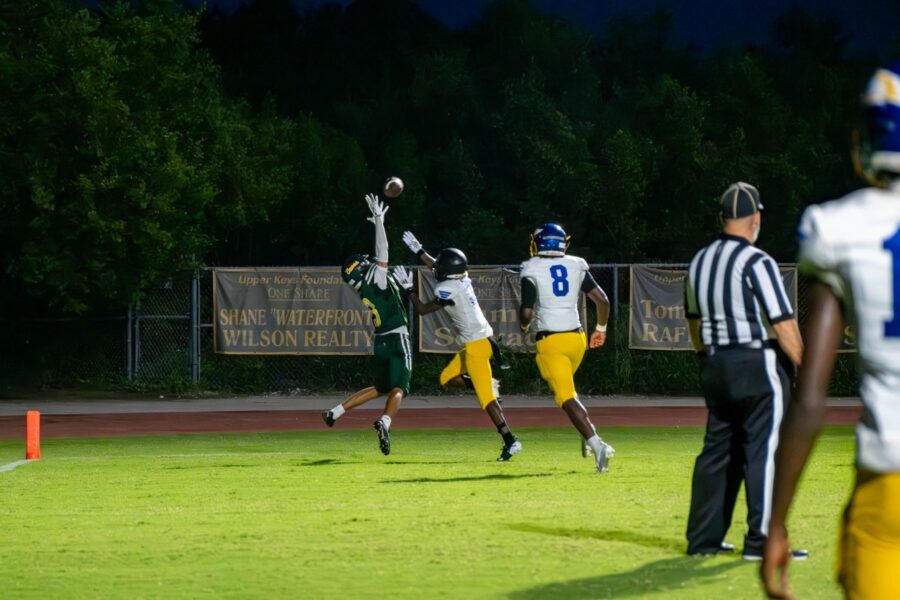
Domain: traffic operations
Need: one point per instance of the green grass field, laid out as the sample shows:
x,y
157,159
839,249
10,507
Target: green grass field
x,y
324,514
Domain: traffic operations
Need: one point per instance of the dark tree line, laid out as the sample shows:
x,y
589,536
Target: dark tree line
x,y
140,141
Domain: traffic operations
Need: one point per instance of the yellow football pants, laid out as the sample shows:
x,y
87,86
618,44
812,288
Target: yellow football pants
x,y
475,360
558,357
870,538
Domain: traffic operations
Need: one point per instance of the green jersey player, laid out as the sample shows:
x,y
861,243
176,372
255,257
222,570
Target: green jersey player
x,y
381,294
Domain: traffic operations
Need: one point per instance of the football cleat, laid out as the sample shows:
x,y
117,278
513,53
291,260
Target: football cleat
x,y
724,548
384,437
510,450
585,449
602,457
495,387
328,417
757,556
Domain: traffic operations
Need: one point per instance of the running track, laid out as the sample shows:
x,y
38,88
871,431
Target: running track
x,y
164,423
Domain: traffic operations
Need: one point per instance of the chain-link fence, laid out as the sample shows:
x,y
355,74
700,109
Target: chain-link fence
x,y
167,342
63,352
163,332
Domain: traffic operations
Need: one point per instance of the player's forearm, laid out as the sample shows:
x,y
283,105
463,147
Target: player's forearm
x,y
426,258
381,243
789,339
421,307
802,425
601,304
526,309
806,413
525,317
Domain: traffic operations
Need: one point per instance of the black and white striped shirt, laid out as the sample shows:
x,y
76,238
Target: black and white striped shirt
x,y
737,292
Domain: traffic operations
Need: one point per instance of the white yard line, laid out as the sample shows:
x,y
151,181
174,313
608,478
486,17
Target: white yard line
x,y
185,455
13,465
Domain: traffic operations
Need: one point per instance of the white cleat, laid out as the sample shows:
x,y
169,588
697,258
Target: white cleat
x,y
495,386
585,449
507,452
602,457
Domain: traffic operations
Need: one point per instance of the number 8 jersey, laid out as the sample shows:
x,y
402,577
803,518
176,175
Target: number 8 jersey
x,y
557,280
853,246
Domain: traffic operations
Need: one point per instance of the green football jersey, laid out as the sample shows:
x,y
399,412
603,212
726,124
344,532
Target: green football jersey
x,y
387,306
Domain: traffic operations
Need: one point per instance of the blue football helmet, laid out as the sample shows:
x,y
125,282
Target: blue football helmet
x,y
549,240
881,102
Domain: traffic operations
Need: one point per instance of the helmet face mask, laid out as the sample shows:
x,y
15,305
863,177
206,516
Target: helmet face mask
x,y
352,270
549,239
450,263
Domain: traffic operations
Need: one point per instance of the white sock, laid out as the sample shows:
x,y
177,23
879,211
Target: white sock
x,y
387,422
595,443
337,411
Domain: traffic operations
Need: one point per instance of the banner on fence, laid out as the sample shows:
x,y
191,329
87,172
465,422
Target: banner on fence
x,y
499,295
288,311
657,320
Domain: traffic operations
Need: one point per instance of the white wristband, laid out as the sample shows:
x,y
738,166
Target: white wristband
x,y
600,328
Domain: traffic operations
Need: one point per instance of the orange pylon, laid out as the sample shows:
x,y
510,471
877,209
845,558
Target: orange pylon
x,y
32,435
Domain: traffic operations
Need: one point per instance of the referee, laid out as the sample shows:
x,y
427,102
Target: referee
x,y
743,327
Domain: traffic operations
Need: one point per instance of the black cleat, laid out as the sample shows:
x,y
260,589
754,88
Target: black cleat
x,y
509,450
328,417
757,557
384,437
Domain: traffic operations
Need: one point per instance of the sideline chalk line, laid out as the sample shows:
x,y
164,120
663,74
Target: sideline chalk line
x,y
13,465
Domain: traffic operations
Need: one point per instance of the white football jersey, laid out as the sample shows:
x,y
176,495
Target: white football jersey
x,y
558,281
465,312
853,245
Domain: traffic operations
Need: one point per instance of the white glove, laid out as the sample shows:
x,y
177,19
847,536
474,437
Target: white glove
x,y
411,242
403,278
376,207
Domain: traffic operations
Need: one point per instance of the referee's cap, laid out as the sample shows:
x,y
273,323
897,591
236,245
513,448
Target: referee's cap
x,y
740,200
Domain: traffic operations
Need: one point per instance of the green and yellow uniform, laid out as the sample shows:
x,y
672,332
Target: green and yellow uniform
x,y
393,352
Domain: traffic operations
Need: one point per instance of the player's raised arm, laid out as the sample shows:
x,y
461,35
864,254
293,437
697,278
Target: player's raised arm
x,y
378,210
415,246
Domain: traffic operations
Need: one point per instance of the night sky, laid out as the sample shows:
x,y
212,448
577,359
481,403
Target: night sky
x,y
707,24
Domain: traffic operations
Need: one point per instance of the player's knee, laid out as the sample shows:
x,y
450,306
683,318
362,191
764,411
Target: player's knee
x,y
563,395
485,400
447,376
456,381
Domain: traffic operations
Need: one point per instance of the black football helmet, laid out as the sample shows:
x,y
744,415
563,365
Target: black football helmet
x,y
450,263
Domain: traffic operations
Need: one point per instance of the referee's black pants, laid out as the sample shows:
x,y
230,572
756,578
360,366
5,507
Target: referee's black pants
x,y
746,391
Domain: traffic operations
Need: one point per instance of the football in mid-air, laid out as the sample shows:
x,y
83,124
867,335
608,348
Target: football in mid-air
x,y
393,187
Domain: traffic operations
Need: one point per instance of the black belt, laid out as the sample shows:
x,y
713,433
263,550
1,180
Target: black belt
x,y
754,345
542,334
